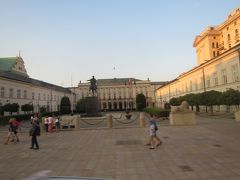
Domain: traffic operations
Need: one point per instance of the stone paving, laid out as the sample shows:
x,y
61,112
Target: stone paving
x,y
208,151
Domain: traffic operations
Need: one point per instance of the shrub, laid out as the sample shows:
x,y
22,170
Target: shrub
x,y
158,112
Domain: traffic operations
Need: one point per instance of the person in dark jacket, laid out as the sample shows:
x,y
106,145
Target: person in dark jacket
x,y
34,132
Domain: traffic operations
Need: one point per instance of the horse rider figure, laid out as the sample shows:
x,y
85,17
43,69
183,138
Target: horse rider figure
x,y
93,86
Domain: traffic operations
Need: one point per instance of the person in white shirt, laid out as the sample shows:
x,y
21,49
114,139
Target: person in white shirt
x,y
50,124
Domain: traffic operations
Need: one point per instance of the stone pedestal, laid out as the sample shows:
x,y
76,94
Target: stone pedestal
x,y
91,104
237,116
182,118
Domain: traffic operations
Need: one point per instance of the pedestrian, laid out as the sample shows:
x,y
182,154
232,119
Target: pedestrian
x,y
50,124
46,123
34,132
57,123
10,134
153,133
15,128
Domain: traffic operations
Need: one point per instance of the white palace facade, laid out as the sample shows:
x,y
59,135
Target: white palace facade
x,y
218,58
17,87
120,93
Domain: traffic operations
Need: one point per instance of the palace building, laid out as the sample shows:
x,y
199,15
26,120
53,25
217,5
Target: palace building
x,y
120,93
17,87
114,94
218,62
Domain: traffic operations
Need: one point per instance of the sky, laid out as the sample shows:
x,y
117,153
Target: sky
x,y
64,42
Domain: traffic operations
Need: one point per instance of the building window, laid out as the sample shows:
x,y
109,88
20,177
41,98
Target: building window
x,y
215,79
39,96
216,44
196,84
214,54
33,95
224,76
11,92
44,97
2,92
217,53
25,94
208,81
235,73
236,35
202,82
190,88
229,37
19,93
213,45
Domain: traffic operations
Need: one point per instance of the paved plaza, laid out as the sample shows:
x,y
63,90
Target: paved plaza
x,y
208,151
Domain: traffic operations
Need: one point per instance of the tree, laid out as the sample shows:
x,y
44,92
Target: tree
x,y
231,97
65,105
43,109
174,101
14,107
27,107
210,98
1,110
141,102
80,107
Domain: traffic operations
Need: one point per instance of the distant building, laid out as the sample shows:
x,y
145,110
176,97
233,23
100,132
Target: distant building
x,y
120,93
218,59
17,87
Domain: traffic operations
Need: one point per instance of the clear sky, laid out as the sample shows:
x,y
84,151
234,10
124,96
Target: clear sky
x,y
64,41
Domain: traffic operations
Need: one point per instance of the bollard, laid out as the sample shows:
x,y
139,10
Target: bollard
x,y
141,119
109,121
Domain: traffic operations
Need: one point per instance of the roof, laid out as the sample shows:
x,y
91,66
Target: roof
x,y
119,81
35,82
6,64
159,83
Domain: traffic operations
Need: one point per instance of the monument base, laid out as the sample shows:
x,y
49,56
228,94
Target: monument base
x,y
182,118
91,104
